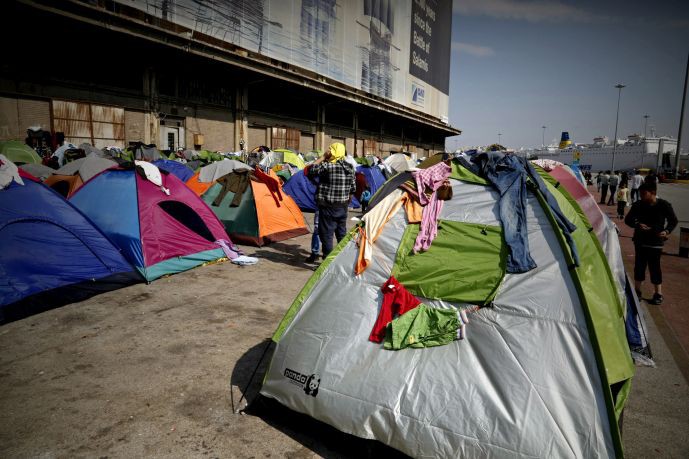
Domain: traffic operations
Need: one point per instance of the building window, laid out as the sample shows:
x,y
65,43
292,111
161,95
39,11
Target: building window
x,y
285,138
370,147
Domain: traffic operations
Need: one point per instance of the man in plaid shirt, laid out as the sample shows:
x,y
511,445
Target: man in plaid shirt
x,y
335,189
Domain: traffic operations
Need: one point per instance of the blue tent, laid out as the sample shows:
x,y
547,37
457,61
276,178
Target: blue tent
x,y
51,253
174,167
374,177
302,190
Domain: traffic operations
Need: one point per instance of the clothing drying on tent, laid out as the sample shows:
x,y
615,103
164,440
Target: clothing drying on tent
x,y
542,375
182,172
205,178
51,253
282,156
67,179
161,229
19,152
253,207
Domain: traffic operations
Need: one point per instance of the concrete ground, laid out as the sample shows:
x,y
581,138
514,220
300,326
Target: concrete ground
x,y
158,371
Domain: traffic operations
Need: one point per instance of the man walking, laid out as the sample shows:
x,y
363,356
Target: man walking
x,y
604,186
336,186
613,181
653,219
635,183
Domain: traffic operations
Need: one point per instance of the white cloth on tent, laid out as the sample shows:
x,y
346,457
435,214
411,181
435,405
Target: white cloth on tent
x,y
153,175
8,173
374,221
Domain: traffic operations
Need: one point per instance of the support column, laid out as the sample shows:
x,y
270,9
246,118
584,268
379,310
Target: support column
x,y
241,119
659,159
320,129
356,134
151,128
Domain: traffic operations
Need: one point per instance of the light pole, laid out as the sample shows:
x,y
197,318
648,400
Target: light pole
x,y
499,135
619,87
543,140
646,117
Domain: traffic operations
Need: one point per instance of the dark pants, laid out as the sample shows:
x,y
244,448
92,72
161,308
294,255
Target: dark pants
x,y
647,256
331,220
620,208
613,189
635,194
603,192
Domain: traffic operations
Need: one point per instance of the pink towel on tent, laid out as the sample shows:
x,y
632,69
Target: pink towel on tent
x,y
428,181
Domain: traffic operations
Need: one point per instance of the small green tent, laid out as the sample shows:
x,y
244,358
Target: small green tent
x,y
19,152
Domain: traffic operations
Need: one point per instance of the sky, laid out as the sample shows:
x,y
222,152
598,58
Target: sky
x,y
519,65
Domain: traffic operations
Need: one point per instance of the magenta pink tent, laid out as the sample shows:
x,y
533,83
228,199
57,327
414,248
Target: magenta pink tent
x,y
158,233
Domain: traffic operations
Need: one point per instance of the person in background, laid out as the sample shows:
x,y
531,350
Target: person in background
x,y
653,220
336,186
598,180
604,186
613,182
315,241
622,198
365,199
635,181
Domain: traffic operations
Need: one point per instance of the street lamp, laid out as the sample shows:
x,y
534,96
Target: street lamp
x,y
543,140
499,134
619,87
646,117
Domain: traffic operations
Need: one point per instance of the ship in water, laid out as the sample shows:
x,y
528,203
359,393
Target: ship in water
x,y
635,152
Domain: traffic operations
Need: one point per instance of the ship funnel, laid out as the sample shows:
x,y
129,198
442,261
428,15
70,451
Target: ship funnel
x,y
564,140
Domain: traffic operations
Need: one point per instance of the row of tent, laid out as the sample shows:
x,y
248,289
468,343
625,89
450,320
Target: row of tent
x,y
545,370
118,226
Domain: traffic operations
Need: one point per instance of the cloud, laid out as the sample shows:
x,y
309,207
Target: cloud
x,y
474,50
529,10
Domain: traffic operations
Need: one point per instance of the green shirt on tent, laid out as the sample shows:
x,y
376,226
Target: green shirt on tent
x,y
422,326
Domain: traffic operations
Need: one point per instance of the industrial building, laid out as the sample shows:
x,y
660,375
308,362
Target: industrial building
x,y
222,75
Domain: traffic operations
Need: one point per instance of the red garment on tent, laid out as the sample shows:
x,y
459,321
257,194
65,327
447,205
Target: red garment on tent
x,y
396,301
272,183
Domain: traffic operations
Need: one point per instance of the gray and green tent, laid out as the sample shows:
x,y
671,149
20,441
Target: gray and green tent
x,y
543,371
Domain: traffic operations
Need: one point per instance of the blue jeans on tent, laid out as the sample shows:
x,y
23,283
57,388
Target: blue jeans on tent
x,y
315,240
331,220
508,174
563,222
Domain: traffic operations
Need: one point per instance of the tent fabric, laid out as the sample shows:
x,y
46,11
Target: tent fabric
x,y
38,170
19,152
149,226
302,190
87,167
494,394
65,185
473,277
205,178
51,253
258,219
174,167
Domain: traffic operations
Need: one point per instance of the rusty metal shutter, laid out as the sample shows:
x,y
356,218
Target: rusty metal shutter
x,y
285,138
99,125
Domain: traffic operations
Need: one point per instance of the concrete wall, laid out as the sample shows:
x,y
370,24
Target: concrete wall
x,y
17,115
218,134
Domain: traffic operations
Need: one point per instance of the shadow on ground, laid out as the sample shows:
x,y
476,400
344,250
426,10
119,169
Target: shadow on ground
x,y
322,439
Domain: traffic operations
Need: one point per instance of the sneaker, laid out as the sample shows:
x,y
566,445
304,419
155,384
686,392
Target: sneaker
x,y
311,258
657,299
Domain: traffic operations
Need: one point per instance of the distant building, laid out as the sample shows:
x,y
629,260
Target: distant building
x,y
294,74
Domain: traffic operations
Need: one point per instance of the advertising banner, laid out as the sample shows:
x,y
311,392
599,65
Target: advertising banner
x,y
395,49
